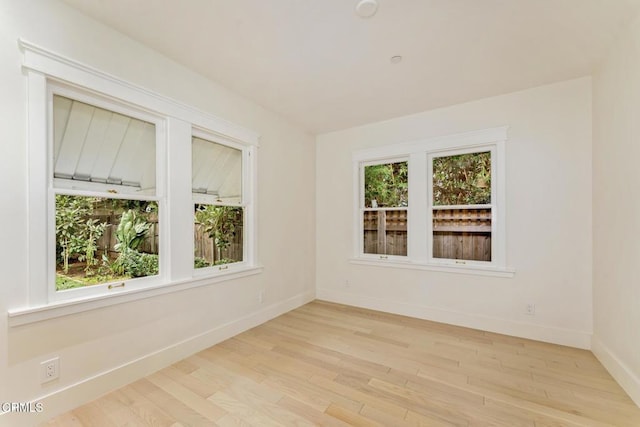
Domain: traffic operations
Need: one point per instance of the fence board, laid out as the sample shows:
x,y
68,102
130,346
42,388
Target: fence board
x,y
457,233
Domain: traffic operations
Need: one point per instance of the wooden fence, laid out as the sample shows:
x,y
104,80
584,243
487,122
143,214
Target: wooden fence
x,y
462,234
205,246
108,240
385,232
457,233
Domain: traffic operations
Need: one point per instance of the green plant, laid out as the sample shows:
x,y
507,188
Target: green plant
x,y
71,226
387,184
94,231
139,264
221,223
131,231
463,179
199,262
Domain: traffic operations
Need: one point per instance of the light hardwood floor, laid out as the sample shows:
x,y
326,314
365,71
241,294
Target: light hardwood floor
x,y
329,364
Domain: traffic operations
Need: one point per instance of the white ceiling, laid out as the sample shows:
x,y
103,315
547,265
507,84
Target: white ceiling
x,y
321,66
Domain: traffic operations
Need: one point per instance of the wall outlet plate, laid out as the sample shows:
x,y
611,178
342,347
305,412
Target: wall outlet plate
x,y
530,309
49,370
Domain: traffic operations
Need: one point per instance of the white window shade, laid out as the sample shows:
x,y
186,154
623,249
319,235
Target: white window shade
x,y
217,172
96,149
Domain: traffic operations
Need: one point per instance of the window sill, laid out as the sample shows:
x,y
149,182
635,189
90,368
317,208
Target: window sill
x,y
24,316
475,270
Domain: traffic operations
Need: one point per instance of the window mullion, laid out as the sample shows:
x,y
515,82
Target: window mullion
x,y
178,246
417,224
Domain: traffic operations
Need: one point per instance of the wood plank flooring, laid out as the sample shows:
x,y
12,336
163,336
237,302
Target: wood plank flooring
x,y
332,365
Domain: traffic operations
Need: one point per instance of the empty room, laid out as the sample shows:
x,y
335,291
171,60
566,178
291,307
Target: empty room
x,y
338,212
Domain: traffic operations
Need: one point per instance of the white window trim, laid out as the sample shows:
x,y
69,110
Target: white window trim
x,y
42,68
419,231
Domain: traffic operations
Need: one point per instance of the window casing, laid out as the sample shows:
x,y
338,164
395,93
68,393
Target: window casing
x,y
457,225
166,190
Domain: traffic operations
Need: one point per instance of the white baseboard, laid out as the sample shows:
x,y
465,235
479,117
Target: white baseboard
x,y
627,379
507,327
91,388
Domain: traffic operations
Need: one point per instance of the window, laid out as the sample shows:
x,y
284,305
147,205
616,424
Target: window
x,y
218,204
105,194
384,208
460,205
455,220
112,196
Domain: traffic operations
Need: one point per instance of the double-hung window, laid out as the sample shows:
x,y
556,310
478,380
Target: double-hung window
x,y
104,193
460,203
129,191
219,204
385,201
434,204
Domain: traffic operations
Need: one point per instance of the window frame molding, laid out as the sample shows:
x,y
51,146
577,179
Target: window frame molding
x,y
419,217
42,69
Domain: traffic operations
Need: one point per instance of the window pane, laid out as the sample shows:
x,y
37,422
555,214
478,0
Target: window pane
x,y
463,234
98,149
218,235
217,171
101,240
386,185
462,180
385,232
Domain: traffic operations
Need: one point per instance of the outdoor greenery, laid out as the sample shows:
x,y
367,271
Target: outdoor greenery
x,y
462,180
386,185
78,234
220,223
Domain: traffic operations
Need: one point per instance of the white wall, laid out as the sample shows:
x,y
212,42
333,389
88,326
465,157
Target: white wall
x,y
108,347
548,161
616,211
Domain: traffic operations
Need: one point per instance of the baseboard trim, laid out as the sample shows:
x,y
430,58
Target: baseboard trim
x,y
507,327
74,395
628,380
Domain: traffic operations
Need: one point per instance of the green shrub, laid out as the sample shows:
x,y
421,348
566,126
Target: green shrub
x,y
200,262
139,264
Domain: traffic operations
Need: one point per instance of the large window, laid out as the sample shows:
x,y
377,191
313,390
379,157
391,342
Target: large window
x,y
455,220
218,204
121,182
461,207
384,209
105,195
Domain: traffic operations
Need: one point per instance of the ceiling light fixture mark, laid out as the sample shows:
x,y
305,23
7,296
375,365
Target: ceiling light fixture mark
x,y
367,8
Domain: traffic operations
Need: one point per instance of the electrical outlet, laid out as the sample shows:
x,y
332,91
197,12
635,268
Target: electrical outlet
x,y
49,370
346,283
261,297
530,309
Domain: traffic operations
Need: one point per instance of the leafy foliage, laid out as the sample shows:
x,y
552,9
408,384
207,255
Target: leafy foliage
x,y
131,231
386,185
221,223
199,262
76,232
464,179
139,264
79,230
